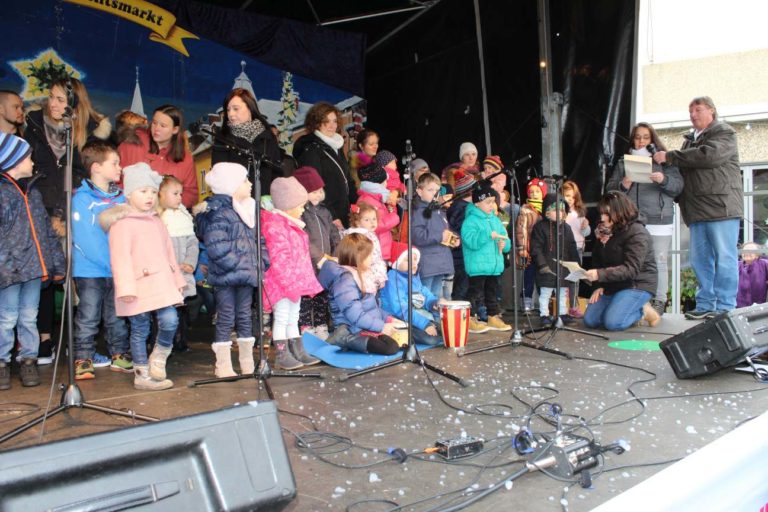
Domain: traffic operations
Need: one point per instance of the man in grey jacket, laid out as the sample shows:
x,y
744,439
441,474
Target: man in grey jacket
x,y
712,204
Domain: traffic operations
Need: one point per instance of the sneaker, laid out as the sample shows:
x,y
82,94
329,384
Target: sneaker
x,y
5,375
28,373
84,370
45,352
496,323
575,313
121,363
528,304
696,314
713,314
546,322
100,361
568,319
477,327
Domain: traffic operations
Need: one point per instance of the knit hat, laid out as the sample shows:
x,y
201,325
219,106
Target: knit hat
x,y
483,191
494,161
403,254
463,181
287,193
383,157
225,177
537,182
466,147
417,164
549,203
138,176
309,178
13,150
374,173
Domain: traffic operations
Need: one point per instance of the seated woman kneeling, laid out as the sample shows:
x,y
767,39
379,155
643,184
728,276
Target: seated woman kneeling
x,y
625,268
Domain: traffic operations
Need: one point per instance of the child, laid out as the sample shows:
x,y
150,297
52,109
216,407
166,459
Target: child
x,y
362,218
360,324
324,237
290,274
395,185
577,219
753,277
456,212
373,190
180,226
226,227
530,214
493,165
544,253
432,236
394,299
146,276
484,240
91,266
33,257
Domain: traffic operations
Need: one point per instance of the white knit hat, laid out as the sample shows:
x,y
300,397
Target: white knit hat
x,y
138,176
465,148
226,177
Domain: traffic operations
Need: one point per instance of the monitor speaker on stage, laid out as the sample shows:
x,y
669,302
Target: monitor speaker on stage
x,y
723,341
233,459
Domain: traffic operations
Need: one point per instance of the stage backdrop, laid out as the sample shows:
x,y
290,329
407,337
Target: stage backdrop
x,y
132,54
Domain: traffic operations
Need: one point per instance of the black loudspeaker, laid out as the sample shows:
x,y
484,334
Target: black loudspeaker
x,y
723,341
233,459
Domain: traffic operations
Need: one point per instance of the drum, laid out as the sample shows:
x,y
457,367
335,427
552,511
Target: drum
x,y
454,319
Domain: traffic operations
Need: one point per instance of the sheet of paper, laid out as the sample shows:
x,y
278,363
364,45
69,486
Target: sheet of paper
x,y
638,168
576,272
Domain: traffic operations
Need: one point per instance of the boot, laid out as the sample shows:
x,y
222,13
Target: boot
x,y
157,361
659,305
296,346
650,315
223,350
142,380
284,359
245,353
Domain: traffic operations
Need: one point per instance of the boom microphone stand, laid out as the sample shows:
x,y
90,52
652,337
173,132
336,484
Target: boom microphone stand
x,y
411,354
71,395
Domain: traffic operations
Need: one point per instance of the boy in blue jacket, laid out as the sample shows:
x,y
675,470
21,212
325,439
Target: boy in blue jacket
x,y
91,265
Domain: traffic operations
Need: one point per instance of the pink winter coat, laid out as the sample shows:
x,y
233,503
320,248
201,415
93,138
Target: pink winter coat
x,y
143,261
387,221
290,274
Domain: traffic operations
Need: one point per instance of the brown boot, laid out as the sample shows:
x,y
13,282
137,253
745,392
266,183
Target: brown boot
x,y
650,315
297,349
143,381
284,359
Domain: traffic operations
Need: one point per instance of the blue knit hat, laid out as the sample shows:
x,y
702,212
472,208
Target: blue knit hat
x,y
13,150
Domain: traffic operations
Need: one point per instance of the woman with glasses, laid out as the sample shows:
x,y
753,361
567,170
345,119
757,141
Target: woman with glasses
x,y
654,201
624,268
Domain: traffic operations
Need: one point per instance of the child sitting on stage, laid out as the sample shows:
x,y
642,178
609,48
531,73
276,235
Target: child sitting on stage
x,y
360,324
363,220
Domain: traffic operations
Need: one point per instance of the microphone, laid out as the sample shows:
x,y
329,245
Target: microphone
x,y
432,206
651,148
521,161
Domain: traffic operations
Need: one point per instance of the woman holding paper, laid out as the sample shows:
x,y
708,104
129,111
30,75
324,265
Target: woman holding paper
x,y
654,200
625,267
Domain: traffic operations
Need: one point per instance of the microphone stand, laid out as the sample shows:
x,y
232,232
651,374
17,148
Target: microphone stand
x,y
71,395
262,372
411,353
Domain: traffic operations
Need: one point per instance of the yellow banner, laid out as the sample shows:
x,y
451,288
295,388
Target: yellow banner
x,y
161,22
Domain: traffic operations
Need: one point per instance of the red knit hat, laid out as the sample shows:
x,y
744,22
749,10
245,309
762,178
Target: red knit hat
x,y
537,182
309,178
462,181
494,161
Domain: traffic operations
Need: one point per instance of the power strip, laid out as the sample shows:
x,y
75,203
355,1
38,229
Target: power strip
x,y
459,447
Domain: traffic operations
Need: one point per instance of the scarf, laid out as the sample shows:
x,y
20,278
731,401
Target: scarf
x,y
246,210
178,222
535,204
54,133
375,188
248,131
640,152
335,141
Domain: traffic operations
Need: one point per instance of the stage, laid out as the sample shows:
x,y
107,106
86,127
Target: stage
x,y
399,408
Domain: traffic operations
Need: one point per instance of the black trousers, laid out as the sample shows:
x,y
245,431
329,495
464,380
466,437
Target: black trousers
x,y
483,290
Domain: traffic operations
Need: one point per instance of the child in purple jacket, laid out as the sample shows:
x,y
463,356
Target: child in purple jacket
x,y
753,276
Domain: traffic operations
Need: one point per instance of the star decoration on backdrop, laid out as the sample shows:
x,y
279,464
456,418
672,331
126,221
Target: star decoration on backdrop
x,y
41,71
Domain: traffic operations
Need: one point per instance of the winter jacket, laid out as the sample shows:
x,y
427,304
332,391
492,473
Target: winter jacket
x,y
229,242
323,234
90,249
456,213
481,253
290,274
51,169
394,297
143,262
183,171
526,219
653,200
427,233
29,248
340,190
711,175
386,221
753,283
185,245
264,144
544,252
349,305
626,260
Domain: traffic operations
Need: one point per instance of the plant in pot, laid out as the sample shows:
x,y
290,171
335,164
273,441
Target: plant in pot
x,y
688,286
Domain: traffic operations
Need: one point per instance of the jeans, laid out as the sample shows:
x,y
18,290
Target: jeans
x,y
285,320
618,311
715,261
167,322
544,295
18,308
661,245
435,284
97,303
233,311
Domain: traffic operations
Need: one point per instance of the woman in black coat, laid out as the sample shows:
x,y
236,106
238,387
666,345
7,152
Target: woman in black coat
x,y
625,267
245,132
321,148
